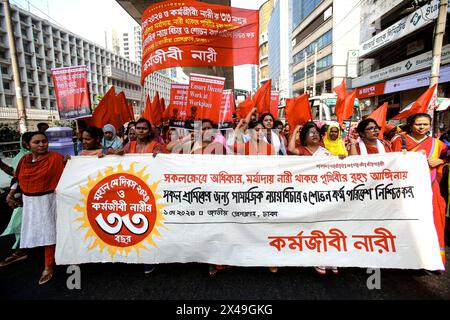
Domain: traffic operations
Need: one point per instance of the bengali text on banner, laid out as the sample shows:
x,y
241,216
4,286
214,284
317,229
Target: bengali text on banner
x,y
361,211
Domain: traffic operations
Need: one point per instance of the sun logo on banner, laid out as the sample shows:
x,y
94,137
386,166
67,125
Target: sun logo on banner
x,y
120,211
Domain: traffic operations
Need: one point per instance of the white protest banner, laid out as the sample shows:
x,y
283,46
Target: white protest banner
x,y
361,211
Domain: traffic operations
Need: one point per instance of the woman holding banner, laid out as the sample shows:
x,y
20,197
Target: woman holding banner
x,y
38,174
257,145
417,139
369,143
310,145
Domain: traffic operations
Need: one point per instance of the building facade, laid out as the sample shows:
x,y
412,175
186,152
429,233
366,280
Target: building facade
x,y
324,33
280,49
265,12
395,53
42,46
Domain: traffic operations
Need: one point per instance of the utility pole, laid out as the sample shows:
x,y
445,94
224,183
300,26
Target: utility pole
x,y
305,81
438,37
15,67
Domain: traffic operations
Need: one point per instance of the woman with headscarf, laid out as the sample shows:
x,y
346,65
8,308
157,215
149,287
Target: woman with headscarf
x,y
111,142
333,142
15,223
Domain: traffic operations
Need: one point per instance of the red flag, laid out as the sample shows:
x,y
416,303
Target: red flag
x,y
344,102
245,107
379,115
261,98
156,111
419,106
122,112
101,114
167,113
298,111
146,114
131,111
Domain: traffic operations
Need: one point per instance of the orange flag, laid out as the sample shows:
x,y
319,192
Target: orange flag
x,y
298,111
419,106
245,107
101,114
379,115
261,98
344,102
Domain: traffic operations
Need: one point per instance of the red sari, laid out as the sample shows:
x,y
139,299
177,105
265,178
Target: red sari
x,y
41,176
251,148
436,149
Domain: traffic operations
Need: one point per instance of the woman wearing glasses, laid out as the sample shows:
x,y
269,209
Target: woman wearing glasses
x,y
369,143
310,141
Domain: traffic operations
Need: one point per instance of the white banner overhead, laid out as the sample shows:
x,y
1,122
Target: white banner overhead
x,y
414,21
361,211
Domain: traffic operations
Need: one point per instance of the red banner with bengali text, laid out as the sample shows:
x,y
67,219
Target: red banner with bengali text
x,y
72,92
190,33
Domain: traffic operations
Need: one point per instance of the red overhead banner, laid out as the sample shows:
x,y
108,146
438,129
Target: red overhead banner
x,y
190,33
72,92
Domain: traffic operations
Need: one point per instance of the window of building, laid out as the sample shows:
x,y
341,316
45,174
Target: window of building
x,y
320,42
6,85
9,101
322,64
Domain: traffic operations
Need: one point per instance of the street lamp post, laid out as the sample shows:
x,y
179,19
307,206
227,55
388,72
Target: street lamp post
x,y
15,67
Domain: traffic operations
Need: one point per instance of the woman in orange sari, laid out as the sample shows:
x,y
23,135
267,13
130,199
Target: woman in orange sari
x,y
38,174
416,139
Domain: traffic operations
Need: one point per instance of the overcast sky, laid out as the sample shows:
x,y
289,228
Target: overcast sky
x,y
91,18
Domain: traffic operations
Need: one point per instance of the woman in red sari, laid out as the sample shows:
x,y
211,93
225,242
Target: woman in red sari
x,y
38,174
416,139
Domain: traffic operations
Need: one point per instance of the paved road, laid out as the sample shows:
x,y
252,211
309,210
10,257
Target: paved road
x,y
192,282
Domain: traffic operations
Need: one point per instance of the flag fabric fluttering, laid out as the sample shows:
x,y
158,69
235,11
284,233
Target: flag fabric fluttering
x,y
379,115
298,111
419,106
344,102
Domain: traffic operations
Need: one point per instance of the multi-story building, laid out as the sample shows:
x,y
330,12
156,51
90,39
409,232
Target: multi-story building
x,y
324,33
42,46
395,53
138,44
280,49
264,16
126,46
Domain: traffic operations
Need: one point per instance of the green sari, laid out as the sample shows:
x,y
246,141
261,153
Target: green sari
x,y
15,223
